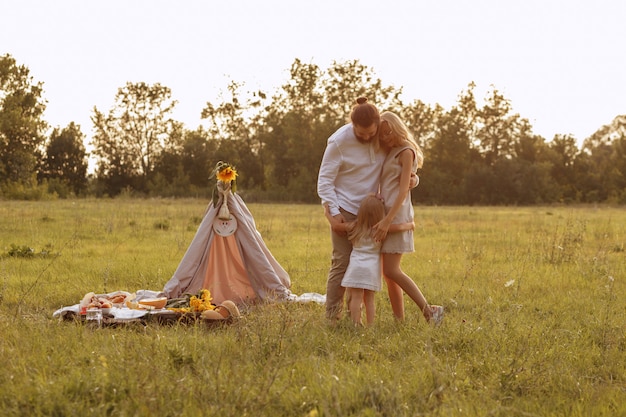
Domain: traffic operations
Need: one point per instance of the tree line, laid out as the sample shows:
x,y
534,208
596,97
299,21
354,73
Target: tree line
x,y
476,153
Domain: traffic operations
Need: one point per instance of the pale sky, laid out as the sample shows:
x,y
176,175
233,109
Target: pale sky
x,y
560,62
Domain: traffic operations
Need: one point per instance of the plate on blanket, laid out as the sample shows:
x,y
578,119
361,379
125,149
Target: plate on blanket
x,y
128,314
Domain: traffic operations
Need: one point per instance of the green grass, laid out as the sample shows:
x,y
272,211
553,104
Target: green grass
x,y
535,324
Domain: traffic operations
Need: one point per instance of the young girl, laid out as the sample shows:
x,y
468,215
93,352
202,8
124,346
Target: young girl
x,y
404,157
362,277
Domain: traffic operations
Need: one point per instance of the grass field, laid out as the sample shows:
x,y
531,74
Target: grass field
x,y
535,324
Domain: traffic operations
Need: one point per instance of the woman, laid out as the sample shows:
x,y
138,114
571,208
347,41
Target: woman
x,y
403,158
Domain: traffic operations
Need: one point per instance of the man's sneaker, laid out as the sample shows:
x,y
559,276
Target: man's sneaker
x,y
437,315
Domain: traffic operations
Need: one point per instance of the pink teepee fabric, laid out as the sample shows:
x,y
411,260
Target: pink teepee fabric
x,y
239,267
226,275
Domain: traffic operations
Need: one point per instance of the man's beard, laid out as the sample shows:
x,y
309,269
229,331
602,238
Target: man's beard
x,y
361,140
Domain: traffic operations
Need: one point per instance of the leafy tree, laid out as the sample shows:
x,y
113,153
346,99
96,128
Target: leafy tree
x,y
618,159
497,129
21,125
345,81
198,157
236,125
296,117
562,153
421,119
599,165
449,155
306,111
532,182
66,158
130,138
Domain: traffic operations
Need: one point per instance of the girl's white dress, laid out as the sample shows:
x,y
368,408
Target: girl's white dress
x,y
399,242
364,270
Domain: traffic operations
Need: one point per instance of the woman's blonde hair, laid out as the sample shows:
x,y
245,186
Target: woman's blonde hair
x,y
400,134
371,211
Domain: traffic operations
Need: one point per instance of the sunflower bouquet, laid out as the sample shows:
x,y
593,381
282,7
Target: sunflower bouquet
x,y
225,172
192,303
226,176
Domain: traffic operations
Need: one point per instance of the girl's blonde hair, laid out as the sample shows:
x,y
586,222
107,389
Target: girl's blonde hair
x,y
371,211
400,134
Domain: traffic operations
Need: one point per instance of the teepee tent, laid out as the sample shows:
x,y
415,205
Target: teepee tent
x,y
228,256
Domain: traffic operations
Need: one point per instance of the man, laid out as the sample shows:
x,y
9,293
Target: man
x,y
350,170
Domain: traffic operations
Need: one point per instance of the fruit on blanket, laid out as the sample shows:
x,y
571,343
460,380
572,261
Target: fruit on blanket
x,y
117,299
154,302
101,301
91,300
211,315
